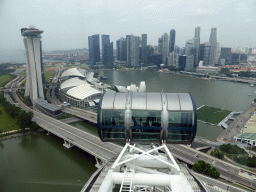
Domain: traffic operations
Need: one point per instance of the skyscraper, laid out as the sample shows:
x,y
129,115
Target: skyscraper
x,y
188,46
94,49
165,49
121,49
144,49
176,56
207,51
32,43
128,50
91,52
197,45
201,52
107,51
172,40
213,42
135,50
160,45
226,55
182,62
189,63
104,41
108,55
118,49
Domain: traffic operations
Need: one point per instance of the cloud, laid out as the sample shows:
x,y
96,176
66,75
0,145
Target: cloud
x,y
123,20
243,7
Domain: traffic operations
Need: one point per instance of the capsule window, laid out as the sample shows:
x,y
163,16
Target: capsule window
x,y
179,135
180,119
112,118
146,125
112,122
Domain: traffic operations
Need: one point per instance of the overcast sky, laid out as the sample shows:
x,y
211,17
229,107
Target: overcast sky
x,y
68,23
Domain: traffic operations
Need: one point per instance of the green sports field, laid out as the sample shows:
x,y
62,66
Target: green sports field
x,y
212,114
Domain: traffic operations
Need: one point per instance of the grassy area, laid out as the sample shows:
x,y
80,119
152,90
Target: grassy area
x,y
212,114
22,73
7,123
48,74
65,116
4,79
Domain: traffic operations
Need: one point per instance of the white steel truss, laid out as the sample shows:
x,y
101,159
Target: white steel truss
x,y
145,168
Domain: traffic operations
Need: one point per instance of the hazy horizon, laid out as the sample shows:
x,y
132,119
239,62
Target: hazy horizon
x,y
67,24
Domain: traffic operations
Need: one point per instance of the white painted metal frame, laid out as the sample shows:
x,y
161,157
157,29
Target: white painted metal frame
x,y
146,153
145,177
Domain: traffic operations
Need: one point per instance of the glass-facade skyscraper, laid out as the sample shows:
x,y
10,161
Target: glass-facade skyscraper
x,y
107,51
128,50
176,57
207,49
144,49
104,41
197,45
172,40
108,55
213,41
165,49
94,49
135,50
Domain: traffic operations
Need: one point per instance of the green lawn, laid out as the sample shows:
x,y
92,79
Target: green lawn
x,y
4,79
7,123
48,74
22,73
212,114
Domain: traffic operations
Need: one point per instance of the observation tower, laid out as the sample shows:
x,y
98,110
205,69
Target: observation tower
x,y
35,75
146,123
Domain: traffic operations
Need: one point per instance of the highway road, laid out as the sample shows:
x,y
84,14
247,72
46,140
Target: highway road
x,y
215,185
227,171
83,114
79,138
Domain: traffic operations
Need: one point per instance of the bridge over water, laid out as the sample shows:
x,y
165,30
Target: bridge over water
x,y
73,136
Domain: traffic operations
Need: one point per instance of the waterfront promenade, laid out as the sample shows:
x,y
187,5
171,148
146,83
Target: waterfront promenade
x,y
237,125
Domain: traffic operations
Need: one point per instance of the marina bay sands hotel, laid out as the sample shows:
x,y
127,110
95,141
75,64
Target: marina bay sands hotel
x,y
35,73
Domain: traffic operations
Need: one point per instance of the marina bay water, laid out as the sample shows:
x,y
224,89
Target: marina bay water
x,y
221,94
39,162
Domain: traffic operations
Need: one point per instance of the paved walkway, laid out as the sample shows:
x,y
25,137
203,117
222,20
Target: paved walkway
x,y
236,126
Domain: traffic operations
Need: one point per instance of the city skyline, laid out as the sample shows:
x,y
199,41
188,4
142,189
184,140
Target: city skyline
x,y
67,24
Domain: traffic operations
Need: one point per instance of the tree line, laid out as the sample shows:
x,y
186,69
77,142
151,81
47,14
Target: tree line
x,y
235,153
206,169
24,119
4,69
